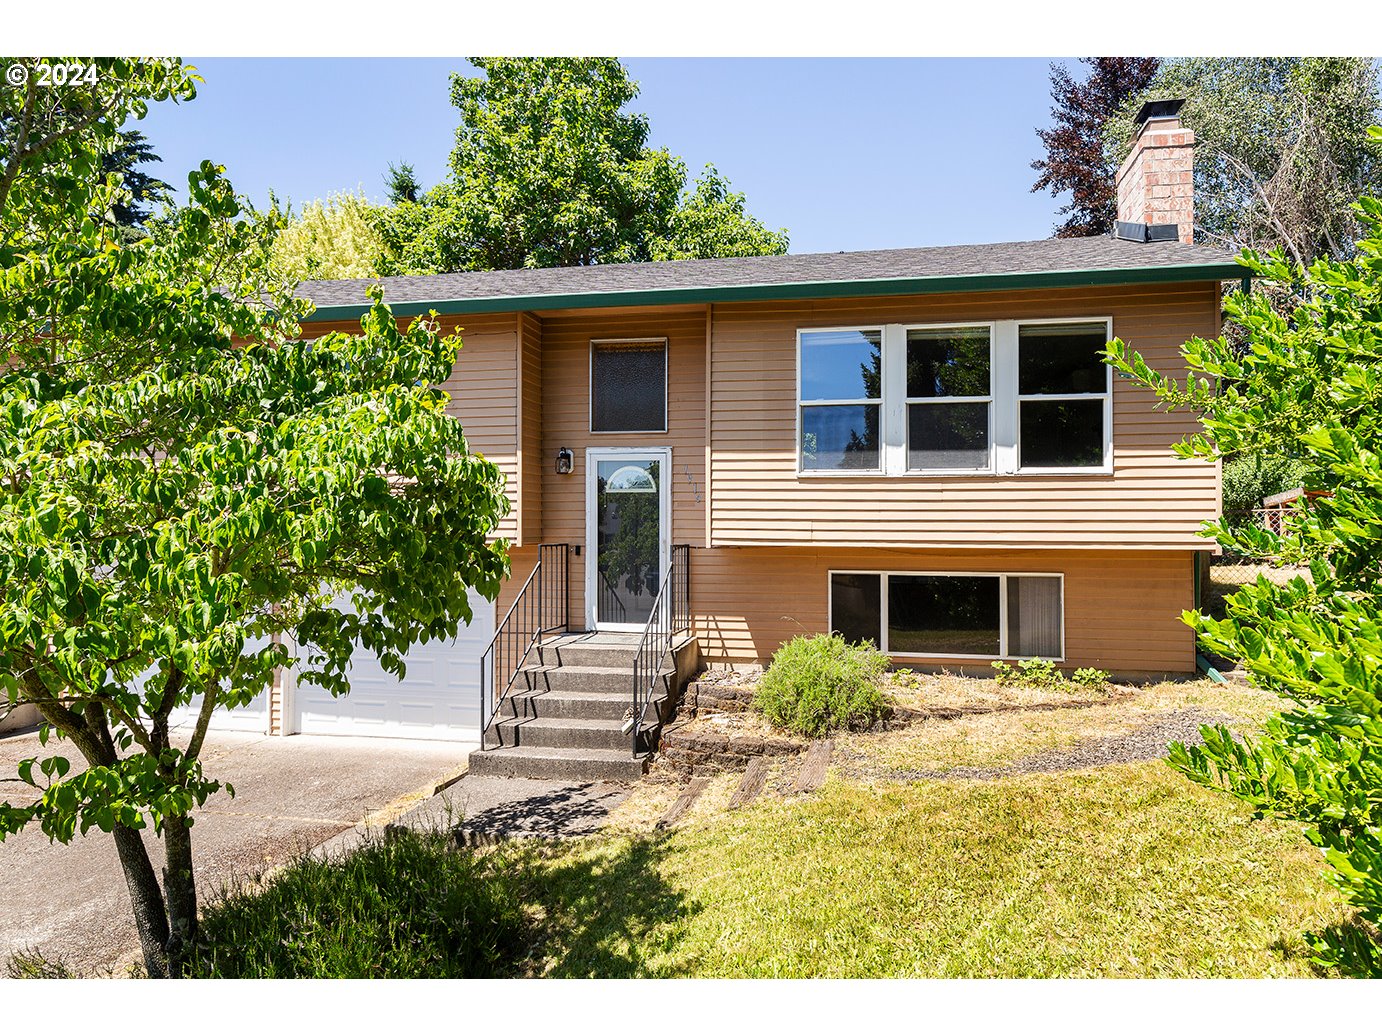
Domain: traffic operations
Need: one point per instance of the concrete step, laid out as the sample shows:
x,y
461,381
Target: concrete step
x,y
589,650
582,764
565,705
590,679
560,733
595,649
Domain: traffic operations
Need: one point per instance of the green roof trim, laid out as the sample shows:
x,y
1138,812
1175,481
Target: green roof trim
x,y
1015,281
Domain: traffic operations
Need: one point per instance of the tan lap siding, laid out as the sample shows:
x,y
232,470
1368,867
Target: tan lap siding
x,y
757,497
566,423
530,425
484,397
1122,608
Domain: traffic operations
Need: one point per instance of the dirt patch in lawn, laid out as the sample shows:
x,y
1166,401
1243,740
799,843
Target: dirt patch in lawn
x,y
1001,739
945,726
1148,740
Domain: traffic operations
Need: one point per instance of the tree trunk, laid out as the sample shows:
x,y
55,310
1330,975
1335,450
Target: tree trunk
x,y
181,892
90,732
150,918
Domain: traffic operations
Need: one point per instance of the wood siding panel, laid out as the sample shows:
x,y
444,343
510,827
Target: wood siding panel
x,y
1122,608
566,422
757,496
531,459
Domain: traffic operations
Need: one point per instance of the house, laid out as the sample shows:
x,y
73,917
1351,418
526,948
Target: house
x,y
919,447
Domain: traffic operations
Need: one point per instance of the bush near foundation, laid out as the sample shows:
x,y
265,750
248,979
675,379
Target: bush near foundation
x,y
822,683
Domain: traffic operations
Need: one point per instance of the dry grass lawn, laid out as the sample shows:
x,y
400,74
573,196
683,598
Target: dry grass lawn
x,y
1123,870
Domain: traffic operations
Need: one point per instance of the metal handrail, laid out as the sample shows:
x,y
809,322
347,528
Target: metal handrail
x,y
542,606
671,615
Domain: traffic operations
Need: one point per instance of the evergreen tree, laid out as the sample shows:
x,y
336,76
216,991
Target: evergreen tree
x,y
132,149
402,183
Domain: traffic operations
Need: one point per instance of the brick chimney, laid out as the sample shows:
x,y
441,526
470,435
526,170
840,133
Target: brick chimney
x,y
1155,182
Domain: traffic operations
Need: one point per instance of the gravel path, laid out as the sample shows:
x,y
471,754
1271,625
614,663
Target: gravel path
x,y
1146,742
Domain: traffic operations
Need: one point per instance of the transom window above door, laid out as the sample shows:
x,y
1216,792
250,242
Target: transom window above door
x,y
628,385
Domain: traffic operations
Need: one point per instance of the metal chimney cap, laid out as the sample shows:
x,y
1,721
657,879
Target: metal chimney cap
x,y
1164,109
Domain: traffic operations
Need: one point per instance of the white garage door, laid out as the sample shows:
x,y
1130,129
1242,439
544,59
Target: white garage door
x,y
253,718
438,699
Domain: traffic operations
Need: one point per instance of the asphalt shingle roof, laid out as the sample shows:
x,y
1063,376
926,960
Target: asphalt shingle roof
x,y
955,267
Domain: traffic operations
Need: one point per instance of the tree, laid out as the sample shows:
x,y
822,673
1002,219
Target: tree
x,y
711,223
1281,148
549,169
181,477
1075,156
132,150
403,184
1309,388
333,238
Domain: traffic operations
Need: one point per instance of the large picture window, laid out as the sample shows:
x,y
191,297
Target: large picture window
x,y
1007,397
841,399
971,615
628,386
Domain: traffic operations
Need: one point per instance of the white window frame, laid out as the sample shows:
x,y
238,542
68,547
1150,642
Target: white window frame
x,y
991,399
1004,403
666,384
1106,468
1002,577
881,402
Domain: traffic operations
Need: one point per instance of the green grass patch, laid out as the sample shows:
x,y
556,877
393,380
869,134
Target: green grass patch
x,y
406,907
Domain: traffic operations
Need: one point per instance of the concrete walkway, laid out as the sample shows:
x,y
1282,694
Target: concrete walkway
x,y
292,793
487,809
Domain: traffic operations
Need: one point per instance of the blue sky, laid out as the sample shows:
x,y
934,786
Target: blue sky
x,y
844,153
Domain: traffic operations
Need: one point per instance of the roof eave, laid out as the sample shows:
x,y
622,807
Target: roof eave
x,y
1016,281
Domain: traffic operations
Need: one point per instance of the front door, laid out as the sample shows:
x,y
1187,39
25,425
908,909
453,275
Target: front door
x,y
626,535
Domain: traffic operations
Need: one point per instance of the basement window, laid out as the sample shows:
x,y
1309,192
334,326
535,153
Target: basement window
x,y
951,615
628,385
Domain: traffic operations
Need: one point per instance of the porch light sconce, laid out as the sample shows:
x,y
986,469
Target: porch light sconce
x,y
566,461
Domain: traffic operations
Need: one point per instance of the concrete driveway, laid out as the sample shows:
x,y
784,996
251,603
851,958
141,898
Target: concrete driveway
x,y
292,793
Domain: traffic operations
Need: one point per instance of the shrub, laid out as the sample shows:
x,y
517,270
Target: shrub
x,y
823,683
1250,477
409,906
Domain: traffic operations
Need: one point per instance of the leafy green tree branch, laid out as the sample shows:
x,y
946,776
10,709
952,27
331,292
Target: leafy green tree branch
x,y
1308,386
